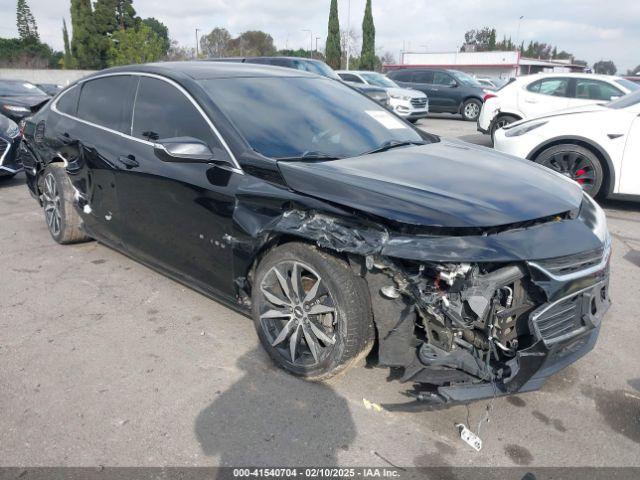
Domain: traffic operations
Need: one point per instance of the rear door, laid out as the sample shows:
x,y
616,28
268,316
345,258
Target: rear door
x,y
93,143
545,95
177,214
587,91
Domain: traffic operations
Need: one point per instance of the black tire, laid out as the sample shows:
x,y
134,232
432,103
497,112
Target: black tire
x,y
62,219
500,122
471,109
576,162
349,326
7,177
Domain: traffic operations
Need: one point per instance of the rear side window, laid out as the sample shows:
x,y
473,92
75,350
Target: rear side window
x,y
107,102
401,76
350,77
68,101
588,89
557,87
422,77
161,111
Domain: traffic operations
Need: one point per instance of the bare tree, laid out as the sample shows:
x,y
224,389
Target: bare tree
x,y
388,58
216,43
349,43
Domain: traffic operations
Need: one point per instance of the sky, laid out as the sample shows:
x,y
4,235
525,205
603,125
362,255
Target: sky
x,y
592,30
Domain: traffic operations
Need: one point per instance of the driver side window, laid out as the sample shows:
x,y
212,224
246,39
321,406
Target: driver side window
x,y
162,111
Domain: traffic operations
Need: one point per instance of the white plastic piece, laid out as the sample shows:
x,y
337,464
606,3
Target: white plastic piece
x,y
87,209
470,438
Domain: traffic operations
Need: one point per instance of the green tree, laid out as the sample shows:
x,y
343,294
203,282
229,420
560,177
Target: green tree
x,y
333,52
492,40
368,55
68,60
26,23
161,30
252,43
216,43
135,45
606,67
85,46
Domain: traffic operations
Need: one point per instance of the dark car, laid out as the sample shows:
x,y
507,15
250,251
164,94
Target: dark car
x,y
449,91
338,227
313,66
9,143
51,89
19,99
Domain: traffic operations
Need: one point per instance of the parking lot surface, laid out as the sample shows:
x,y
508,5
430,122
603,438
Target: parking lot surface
x,y
105,362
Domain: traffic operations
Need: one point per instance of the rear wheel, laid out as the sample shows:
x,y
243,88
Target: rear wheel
x,y
501,122
311,312
63,221
577,163
471,109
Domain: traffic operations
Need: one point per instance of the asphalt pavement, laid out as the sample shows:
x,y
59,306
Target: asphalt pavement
x,y
105,362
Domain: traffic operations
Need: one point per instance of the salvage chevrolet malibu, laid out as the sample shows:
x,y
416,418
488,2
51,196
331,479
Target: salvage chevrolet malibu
x,y
336,225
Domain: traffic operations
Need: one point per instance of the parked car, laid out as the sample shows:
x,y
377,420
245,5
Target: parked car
x,y
487,83
51,89
313,66
406,102
9,142
335,225
533,95
19,99
449,91
598,145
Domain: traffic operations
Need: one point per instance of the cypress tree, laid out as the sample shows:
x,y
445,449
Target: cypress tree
x,y
368,54
492,40
26,23
84,41
68,58
333,53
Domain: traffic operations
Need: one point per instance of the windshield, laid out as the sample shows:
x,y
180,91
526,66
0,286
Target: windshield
x,y
379,80
19,89
464,78
291,117
319,68
627,101
628,84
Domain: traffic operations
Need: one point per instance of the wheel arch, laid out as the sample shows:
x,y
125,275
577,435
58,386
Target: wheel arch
x,y
603,156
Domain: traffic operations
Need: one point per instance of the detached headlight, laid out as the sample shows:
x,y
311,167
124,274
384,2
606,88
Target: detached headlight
x,y
16,108
522,129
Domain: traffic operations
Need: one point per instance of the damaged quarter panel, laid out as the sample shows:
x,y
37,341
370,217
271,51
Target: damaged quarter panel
x,y
476,274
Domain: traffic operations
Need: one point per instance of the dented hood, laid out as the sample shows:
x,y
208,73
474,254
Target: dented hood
x,y
443,184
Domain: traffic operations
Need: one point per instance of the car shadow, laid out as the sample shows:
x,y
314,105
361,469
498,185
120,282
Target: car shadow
x,y
617,204
269,417
18,179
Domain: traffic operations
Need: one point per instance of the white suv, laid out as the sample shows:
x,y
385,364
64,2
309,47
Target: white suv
x,y
406,102
538,94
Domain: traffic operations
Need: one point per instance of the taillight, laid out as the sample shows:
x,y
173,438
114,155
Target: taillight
x,y
488,96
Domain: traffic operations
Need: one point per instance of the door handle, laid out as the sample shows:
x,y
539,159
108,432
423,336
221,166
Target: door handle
x,y
129,161
530,100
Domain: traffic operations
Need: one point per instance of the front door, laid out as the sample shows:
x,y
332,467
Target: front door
x,y
177,214
544,96
630,172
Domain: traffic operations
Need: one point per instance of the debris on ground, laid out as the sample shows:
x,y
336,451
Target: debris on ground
x,y
371,406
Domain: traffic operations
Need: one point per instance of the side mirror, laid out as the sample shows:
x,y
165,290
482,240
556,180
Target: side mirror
x,y
183,149
453,84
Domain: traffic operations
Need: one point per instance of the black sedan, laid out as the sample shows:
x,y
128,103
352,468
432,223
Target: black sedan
x,y
9,143
337,226
19,99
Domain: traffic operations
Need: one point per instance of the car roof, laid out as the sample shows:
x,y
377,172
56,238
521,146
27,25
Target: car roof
x,y
201,70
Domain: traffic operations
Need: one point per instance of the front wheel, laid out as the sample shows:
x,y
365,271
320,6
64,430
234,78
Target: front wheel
x,y
471,109
577,163
311,312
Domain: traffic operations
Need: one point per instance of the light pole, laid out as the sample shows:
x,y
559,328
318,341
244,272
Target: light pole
x,y
197,43
317,38
311,41
518,33
348,33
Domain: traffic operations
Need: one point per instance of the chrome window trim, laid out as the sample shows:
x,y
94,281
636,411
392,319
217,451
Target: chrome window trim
x,y
54,106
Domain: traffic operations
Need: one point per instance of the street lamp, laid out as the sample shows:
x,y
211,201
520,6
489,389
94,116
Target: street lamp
x,y
518,33
311,41
197,30
317,38
348,33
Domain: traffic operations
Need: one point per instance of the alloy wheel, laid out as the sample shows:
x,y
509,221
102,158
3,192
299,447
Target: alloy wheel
x,y
51,204
575,166
471,110
298,314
